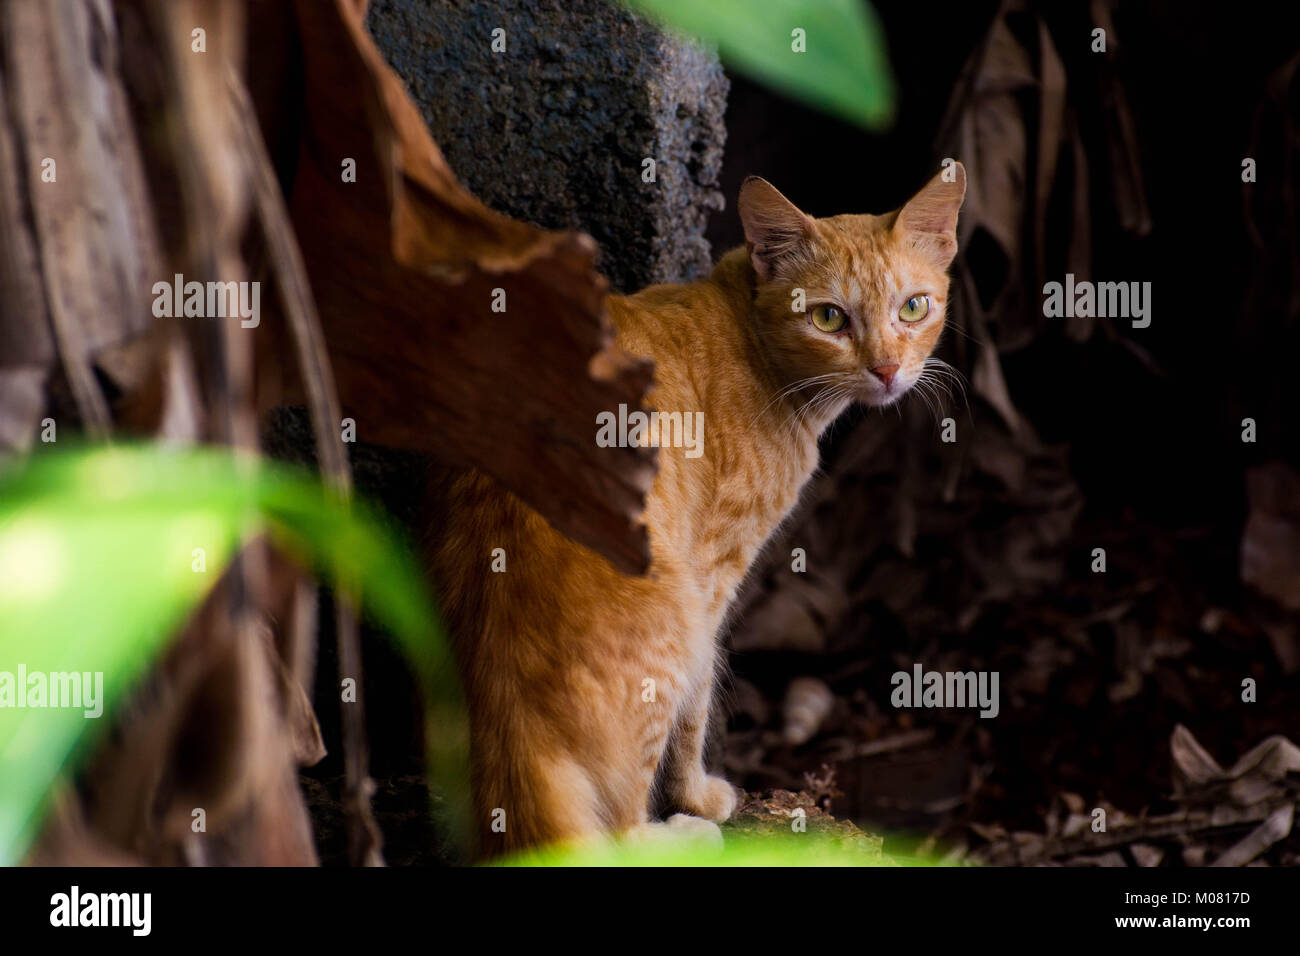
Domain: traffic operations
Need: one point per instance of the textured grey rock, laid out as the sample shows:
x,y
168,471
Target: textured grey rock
x,y
555,130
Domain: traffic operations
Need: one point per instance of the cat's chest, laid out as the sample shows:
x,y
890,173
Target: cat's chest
x,y
739,502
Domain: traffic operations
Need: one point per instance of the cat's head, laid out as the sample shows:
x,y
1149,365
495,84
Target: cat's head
x,y
852,304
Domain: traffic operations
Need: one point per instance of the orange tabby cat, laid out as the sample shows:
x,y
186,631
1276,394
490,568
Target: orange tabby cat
x,y
589,689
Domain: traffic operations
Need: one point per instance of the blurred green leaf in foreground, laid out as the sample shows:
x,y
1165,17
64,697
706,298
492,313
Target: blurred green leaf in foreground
x,y
740,850
98,551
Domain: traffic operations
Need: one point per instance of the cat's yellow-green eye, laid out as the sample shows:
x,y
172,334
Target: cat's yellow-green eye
x,y
915,309
829,318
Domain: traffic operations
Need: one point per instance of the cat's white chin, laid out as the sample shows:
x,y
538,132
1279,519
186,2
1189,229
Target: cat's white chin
x,y
880,397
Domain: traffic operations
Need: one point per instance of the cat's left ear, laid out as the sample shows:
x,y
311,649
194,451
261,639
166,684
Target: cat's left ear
x,y
775,228
929,219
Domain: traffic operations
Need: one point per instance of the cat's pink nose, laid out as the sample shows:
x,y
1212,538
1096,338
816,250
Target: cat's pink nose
x,y
885,373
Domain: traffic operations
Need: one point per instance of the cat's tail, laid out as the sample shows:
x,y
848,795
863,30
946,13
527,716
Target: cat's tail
x,y
530,800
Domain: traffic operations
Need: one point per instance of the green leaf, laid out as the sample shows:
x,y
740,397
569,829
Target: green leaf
x,y
844,71
749,849
97,572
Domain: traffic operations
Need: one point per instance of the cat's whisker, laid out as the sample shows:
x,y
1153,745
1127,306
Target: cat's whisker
x,y
792,420
931,388
790,390
797,418
824,397
925,398
924,388
937,385
959,379
942,369
947,381
801,413
842,390
941,391
960,331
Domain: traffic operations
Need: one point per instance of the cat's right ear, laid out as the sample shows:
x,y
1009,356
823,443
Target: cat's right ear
x,y
929,219
775,228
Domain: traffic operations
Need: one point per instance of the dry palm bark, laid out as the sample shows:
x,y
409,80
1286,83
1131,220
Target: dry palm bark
x,y
77,248
407,266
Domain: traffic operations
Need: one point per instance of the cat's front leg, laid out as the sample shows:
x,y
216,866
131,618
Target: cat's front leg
x,y
686,784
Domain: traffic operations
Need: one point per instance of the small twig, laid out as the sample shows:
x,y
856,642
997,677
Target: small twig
x,y
910,738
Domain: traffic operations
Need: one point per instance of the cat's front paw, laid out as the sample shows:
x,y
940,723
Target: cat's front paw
x,y
679,828
712,798
704,832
